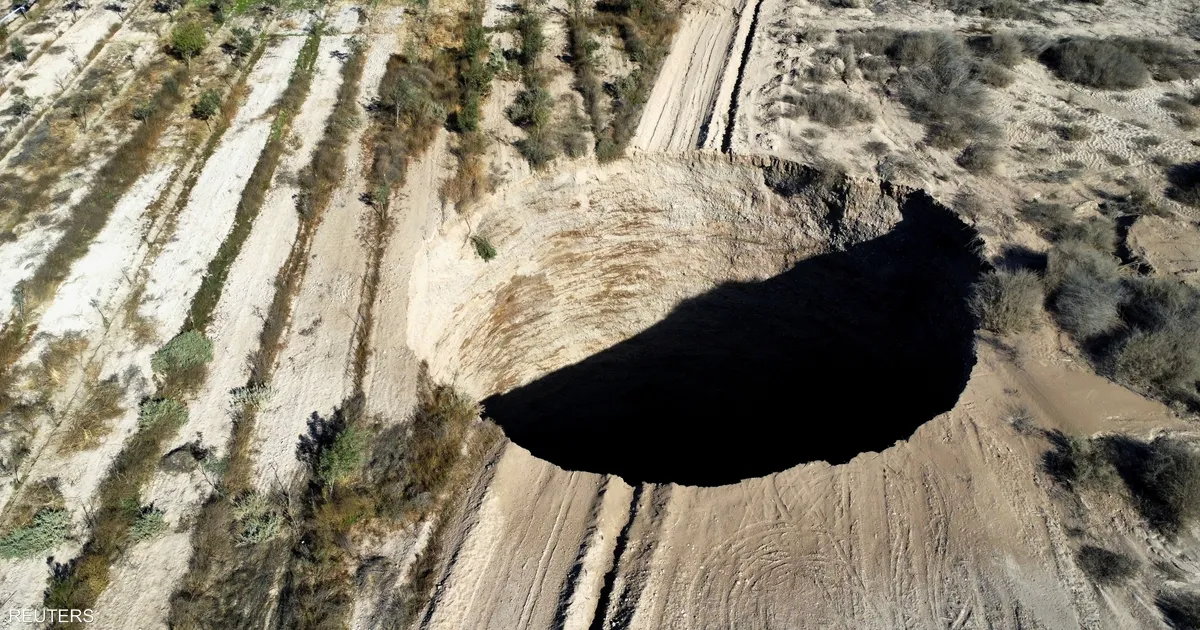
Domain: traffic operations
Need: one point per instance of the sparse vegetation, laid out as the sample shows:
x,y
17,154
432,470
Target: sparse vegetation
x,y
1008,302
939,81
49,529
204,303
1047,218
1105,567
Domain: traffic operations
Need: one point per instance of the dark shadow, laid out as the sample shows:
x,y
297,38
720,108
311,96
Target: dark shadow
x,y
844,353
1016,257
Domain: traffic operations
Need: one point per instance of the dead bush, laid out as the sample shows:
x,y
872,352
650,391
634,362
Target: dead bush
x,y
941,88
1074,133
1079,463
1105,567
1185,183
993,74
1180,609
1002,48
1164,60
1008,302
1163,479
91,422
1048,218
1095,63
1099,233
979,158
833,109
1086,290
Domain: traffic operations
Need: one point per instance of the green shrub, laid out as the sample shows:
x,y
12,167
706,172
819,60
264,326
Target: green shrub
x,y
188,40
1104,566
256,520
483,247
150,522
49,529
342,458
143,111
532,107
1095,63
185,351
208,105
169,410
1008,302
241,43
18,51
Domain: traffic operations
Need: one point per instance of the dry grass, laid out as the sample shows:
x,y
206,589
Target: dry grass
x,y
91,422
833,109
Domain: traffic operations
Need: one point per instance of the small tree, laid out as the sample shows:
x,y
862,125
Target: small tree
x,y
208,105
188,39
19,51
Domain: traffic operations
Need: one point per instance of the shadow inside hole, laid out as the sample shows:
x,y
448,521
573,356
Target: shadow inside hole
x,y
845,352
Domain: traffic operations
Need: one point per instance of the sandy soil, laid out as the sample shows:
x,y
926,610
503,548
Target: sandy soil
x,y
312,375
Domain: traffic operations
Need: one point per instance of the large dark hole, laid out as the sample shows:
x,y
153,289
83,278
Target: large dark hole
x,y
844,353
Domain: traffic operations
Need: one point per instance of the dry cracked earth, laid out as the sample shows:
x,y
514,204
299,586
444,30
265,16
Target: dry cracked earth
x,y
634,314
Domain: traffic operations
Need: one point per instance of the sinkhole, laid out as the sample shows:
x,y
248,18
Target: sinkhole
x,y
704,321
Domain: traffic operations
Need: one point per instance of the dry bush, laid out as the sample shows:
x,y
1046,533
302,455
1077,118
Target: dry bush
x,y
1095,63
833,109
979,158
941,88
1086,290
1099,233
91,422
1185,183
1163,479
1180,609
993,74
1047,218
1074,133
1165,61
1008,302
1104,566
1079,463
1185,112
1002,48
